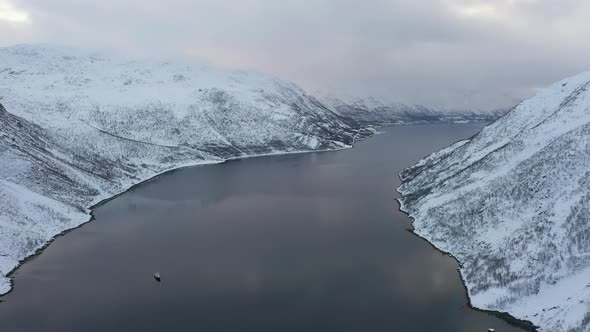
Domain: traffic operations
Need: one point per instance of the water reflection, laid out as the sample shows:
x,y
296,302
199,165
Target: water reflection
x,y
309,242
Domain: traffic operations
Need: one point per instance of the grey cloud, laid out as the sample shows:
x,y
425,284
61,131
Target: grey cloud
x,y
460,53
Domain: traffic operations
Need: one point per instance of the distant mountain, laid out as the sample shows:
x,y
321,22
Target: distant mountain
x,y
77,127
374,111
512,204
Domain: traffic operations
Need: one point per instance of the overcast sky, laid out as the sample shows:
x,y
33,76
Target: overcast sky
x,y
460,53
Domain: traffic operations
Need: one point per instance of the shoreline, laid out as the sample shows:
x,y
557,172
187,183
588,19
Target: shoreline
x,y
103,200
100,200
505,316
526,325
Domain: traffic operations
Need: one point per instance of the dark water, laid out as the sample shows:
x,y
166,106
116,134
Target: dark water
x,y
308,242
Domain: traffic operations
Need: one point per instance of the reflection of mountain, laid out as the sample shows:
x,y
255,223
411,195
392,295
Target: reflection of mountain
x,y
512,203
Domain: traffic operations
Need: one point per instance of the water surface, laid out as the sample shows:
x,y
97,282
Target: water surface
x,y
307,242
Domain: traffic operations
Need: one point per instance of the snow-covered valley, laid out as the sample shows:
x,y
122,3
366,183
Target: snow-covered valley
x,y
511,204
78,127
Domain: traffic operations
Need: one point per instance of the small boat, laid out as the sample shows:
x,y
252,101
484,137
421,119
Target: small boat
x,y
157,276
491,330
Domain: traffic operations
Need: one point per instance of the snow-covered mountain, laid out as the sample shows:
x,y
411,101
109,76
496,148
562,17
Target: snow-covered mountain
x,y
512,204
375,111
77,127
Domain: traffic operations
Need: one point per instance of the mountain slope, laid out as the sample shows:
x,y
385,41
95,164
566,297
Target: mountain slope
x,y
512,205
372,111
78,127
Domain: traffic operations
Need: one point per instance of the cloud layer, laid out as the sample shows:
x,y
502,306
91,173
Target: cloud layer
x,y
460,53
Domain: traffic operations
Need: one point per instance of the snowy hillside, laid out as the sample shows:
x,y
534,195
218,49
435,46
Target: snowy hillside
x,y
512,204
77,127
374,111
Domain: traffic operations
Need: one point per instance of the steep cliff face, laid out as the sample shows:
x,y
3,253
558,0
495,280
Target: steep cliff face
x,y
512,205
80,127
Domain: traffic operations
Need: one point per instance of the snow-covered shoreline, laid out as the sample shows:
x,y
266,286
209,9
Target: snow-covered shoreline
x,y
510,205
78,127
104,199
100,200
506,316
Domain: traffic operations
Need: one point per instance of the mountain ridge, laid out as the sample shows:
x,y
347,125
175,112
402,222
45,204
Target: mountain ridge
x,y
375,111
